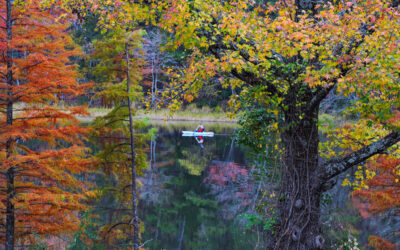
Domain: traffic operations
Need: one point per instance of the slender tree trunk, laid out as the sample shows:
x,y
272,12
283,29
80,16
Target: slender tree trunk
x,y
133,158
299,201
181,234
156,60
10,210
153,83
158,224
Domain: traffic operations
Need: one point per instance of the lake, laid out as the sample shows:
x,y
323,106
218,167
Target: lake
x,y
194,197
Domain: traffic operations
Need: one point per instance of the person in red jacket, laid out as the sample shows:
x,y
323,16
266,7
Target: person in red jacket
x,y
200,139
200,128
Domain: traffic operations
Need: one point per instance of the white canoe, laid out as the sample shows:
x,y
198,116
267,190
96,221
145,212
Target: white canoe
x,y
194,133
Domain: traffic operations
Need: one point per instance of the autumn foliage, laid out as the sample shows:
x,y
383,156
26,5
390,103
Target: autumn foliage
x,y
229,182
382,193
286,57
379,243
43,159
282,57
384,189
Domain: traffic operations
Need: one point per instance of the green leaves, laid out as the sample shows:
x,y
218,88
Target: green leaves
x,y
112,69
255,219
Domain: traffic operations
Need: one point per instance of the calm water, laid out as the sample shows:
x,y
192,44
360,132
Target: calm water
x,y
192,196
195,198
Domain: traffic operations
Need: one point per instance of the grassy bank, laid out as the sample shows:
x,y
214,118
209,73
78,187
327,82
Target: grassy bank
x,y
189,115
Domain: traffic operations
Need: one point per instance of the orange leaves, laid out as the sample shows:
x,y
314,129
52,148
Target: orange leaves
x,y
385,186
298,36
379,243
42,144
188,97
79,110
42,68
324,38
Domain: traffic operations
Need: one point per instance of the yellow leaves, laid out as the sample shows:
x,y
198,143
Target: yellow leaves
x,y
370,174
346,182
236,83
3,155
275,126
360,178
351,137
174,106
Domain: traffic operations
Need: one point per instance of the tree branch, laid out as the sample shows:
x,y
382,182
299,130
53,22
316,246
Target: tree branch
x,y
116,225
246,76
335,167
253,80
320,95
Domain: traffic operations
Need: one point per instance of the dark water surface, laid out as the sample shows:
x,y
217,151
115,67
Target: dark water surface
x,y
195,198
198,198
187,202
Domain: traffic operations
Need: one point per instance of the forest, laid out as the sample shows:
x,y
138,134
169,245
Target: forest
x,y
200,124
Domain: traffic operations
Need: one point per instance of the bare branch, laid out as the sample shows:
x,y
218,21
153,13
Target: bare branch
x,y
147,241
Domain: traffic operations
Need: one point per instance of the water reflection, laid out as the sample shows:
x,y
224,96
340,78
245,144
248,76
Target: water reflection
x,y
190,196
193,198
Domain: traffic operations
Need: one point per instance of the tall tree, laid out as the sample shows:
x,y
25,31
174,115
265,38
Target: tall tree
x,y
122,153
42,149
120,19
287,57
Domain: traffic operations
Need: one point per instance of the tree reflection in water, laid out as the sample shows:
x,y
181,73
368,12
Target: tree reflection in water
x,y
190,199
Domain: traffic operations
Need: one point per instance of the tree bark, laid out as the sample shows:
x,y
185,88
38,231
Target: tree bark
x,y
133,158
10,210
299,200
304,179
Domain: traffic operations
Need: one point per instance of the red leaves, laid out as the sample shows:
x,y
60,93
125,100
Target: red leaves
x,y
230,183
384,188
223,173
383,193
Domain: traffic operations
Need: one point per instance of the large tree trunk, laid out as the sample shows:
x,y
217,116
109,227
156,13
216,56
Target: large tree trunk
x,y
304,179
299,201
10,210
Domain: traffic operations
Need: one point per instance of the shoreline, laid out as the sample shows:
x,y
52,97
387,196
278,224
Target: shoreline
x,y
165,116
185,118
